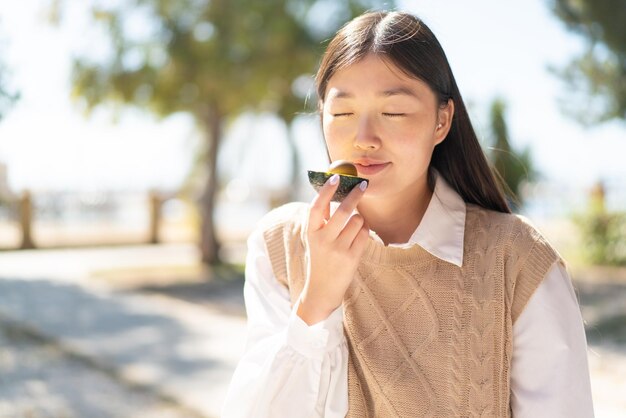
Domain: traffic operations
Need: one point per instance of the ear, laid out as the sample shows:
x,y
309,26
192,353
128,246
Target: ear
x,y
445,115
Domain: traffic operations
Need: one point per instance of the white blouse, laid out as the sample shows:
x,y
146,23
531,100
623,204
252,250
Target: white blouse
x,y
291,369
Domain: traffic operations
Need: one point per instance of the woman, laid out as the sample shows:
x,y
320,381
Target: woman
x,y
420,294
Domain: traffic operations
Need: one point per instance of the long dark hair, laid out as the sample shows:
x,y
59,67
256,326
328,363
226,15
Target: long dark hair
x,y
407,42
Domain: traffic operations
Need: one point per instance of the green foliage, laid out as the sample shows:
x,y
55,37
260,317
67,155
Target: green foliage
x,y
234,55
514,167
596,80
7,97
603,234
227,55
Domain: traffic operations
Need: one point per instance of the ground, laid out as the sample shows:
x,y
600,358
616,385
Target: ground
x,y
40,378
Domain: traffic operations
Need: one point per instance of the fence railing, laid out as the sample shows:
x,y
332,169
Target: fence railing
x,y
63,219
69,219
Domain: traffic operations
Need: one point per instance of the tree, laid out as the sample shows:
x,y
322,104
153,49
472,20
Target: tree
x,y
212,59
7,97
603,231
596,80
513,167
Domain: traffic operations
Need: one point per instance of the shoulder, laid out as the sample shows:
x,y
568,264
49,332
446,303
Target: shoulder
x,y
282,225
289,213
280,232
526,255
487,217
514,235
508,228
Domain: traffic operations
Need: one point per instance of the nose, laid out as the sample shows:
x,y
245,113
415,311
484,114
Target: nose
x,y
367,134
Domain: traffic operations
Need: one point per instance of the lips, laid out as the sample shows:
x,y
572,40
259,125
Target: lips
x,y
370,167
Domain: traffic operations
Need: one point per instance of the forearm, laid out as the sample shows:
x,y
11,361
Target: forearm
x,y
300,372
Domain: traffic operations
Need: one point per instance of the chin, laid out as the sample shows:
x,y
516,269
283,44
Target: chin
x,y
374,192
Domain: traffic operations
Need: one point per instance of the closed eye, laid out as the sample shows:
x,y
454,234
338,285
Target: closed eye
x,y
341,114
394,115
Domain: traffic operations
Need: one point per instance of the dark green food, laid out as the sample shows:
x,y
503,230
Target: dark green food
x,y
346,183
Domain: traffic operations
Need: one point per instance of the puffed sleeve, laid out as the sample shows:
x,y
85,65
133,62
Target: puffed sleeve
x,y
289,368
549,371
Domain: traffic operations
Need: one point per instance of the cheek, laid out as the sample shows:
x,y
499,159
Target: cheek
x,y
414,150
330,138
337,134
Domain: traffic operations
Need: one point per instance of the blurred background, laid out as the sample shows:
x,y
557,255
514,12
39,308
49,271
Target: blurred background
x,y
141,140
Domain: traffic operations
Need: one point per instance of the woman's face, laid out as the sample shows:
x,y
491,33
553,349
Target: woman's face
x,y
384,122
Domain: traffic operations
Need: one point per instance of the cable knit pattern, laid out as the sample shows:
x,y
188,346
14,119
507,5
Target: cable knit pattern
x,y
425,337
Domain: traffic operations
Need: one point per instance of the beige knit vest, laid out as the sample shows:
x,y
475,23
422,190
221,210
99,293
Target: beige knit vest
x,y
425,337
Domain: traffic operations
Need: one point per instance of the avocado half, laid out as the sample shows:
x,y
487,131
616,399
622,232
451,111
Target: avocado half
x,y
346,183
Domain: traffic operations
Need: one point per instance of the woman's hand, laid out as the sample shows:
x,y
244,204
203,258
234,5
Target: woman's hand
x,y
334,248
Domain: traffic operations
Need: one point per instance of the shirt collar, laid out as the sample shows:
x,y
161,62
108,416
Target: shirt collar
x,y
442,229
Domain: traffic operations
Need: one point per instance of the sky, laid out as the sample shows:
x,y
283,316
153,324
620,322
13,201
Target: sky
x,y
496,49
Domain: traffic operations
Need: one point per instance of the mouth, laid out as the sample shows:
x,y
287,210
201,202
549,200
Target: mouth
x,y
370,169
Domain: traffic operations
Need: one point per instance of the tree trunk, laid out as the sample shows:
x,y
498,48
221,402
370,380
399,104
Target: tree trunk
x,y
26,221
155,205
209,245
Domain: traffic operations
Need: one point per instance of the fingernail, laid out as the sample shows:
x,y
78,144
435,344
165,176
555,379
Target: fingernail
x,y
363,185
334,179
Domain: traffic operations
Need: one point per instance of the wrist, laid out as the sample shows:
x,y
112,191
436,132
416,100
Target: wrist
x,y
312,311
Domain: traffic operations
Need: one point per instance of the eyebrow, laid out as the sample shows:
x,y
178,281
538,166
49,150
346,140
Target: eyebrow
x,y
397,91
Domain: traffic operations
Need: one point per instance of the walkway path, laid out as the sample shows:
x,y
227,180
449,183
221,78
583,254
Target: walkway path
x,y
110,332
176,349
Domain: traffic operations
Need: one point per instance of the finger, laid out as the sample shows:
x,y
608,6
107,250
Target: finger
x,y
320,206
337,222
360,241
350,230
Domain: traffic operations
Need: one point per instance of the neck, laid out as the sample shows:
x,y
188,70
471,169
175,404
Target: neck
x,y
394,218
